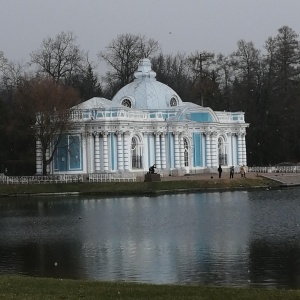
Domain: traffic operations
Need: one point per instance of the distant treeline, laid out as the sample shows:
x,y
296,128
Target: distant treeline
x,y
263,84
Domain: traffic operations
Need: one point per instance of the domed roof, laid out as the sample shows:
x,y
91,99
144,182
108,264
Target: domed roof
x,y
145,92
95,103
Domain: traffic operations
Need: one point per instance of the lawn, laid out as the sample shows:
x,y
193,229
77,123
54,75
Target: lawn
x,y
27,288
132,188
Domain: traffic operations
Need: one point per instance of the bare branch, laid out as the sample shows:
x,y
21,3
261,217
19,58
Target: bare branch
x,y
60,57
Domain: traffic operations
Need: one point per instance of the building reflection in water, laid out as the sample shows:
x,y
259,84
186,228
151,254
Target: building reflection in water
x,y
183,238
230,238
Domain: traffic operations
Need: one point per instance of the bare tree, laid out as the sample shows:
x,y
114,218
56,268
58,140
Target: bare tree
x,y
246,62
122,56
200,64
11,73
172,70
59,57
48,103
224,77
3,60
202,74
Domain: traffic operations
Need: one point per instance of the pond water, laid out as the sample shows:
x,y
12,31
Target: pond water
x,y
229,238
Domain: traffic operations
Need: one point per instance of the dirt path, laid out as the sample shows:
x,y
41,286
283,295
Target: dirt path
x,y
206,176
284,178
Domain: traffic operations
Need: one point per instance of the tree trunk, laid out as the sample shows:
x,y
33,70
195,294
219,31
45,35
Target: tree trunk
x,y
44,165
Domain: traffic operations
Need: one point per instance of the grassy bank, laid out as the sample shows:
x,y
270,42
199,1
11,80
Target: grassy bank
x,y
13,287
132,188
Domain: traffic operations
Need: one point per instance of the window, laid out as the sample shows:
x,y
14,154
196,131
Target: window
x,y
222,152
186,152
68,153
74,154
133,144
173,101
136,154
126,102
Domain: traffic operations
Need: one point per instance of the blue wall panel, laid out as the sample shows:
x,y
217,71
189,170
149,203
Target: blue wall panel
x,y
197,139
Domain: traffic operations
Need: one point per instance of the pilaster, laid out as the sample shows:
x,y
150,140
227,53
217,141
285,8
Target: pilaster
x,y
214,150
120,151
163,151
181,150
240,149
126,150
176,144
157,150
105,151
97,152
244,154
208,149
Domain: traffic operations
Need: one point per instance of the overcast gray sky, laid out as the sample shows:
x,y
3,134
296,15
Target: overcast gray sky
x,y
178,25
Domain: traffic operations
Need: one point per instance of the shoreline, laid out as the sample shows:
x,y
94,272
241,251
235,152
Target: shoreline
x,y
168,185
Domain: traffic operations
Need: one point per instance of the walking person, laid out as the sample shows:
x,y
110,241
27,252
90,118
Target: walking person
x,y
220,171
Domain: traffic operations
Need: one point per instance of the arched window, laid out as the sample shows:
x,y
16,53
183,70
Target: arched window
x,y
186,152
173,101
126,102
136,154
222,152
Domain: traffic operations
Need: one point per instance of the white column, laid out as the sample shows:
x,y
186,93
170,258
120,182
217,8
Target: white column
x,y
105,151
157,150
85,149
39,158
214,150
90,153
163,151
181,151
208,154
244,153
97,152
177,157
145,156
240,149
126,150
120,151
229,150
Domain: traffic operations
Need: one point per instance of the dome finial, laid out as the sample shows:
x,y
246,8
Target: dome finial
x,y
144,69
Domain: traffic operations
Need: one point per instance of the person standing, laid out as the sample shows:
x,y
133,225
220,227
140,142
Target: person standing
x,y
244,171
231,172
220,171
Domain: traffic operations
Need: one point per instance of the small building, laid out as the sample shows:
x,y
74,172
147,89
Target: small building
x,y
146,123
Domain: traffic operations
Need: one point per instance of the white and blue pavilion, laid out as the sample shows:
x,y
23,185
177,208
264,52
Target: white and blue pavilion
x,y
146,123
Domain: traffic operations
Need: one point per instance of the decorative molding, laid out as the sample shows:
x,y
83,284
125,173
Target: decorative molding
x,y
119,132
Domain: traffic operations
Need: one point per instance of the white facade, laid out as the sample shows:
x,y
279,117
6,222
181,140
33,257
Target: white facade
x,y
147,123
